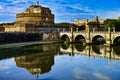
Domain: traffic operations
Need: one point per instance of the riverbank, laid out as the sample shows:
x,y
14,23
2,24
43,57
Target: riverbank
x,y
17,37
15,45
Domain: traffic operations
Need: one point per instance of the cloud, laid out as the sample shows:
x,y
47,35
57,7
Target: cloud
x,y
115,13
6,64
10,8
83,74
108,13
0,7
64,10
67,11
101,76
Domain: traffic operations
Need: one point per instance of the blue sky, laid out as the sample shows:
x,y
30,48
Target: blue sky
x,y
64,10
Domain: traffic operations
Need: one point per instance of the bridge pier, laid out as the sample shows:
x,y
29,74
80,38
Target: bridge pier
x,y
108,43
88,41
108,40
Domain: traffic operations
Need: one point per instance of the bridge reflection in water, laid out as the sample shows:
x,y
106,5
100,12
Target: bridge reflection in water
x,y
91,51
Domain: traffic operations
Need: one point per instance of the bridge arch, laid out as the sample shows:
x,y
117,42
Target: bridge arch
x,y
116,41
98,39
65,46
98,49
116,50
65,38
80,38
80,47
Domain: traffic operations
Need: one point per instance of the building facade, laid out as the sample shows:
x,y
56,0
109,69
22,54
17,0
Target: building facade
x,y
85,23
27,21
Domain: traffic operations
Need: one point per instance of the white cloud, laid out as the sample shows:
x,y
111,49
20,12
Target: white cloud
x,y
108,13
20,1
79,73
67,10
63,10
101,76
84,74
6,64
0,7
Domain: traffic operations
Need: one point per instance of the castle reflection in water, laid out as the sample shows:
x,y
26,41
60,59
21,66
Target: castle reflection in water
x,y
38,63
39,59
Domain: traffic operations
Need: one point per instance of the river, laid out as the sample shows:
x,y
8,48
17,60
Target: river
x,y
60,62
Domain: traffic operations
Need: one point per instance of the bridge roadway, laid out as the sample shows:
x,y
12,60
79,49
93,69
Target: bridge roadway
x,y
110,38
95,51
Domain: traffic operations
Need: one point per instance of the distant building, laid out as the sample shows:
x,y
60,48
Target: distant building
x,y
31,20
85,23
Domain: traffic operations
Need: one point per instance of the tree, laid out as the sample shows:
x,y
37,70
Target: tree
x,y
112,23
93,25
117,27
62,24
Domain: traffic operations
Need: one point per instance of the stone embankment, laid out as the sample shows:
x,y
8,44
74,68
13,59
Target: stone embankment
x,y
50,36
16,37
19,37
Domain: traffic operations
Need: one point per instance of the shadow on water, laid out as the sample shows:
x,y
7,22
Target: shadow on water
x,y
102,51
36,59
97,48
80,47
36,63
116,49
65,45
28,50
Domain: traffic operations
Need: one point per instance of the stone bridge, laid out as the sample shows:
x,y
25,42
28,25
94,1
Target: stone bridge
x,y
109,38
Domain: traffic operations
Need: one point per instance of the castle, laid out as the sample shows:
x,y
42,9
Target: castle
x,y
31,20
85,23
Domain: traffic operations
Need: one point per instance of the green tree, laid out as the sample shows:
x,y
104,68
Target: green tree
x,y
117,26
110,23
62,24
94,25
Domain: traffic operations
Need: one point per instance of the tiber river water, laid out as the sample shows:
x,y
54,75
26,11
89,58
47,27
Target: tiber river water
x,y
60,62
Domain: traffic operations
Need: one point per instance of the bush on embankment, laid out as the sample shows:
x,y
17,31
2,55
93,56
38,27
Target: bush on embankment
x,y
19,37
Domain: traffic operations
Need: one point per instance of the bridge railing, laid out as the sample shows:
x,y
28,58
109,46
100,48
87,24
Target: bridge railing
x,y
116,32
80,31
98,32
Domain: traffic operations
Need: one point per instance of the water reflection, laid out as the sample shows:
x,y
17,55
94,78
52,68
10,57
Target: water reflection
x,y
117,50
52,61
28,50
93,50
65,45
36,59
79,47
98,49
37,63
